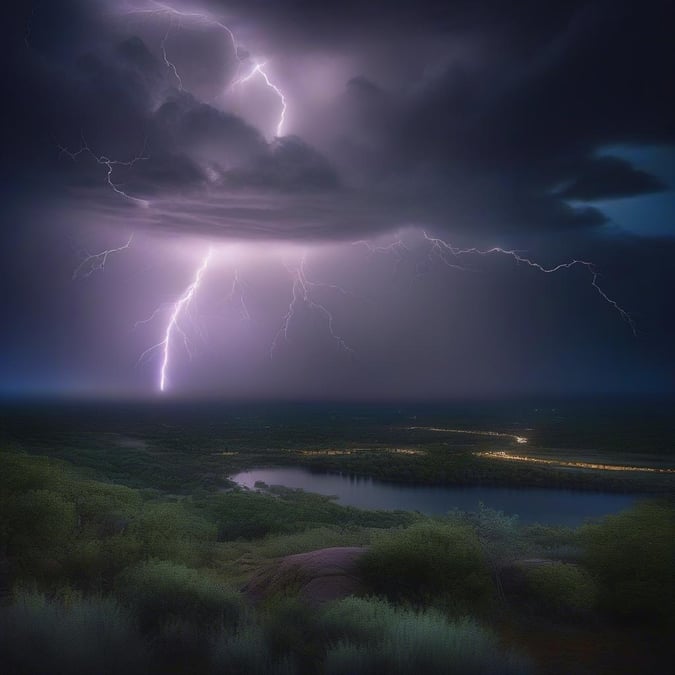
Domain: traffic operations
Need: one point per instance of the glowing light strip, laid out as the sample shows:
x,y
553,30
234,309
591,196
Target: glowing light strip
x,y
498,434
576,465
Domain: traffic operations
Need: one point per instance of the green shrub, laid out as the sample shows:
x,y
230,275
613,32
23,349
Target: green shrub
x,y
291,632
163,591
245,652
378,638
562,589
432,562
84,637
249,515
103,506
94,563
500,535
632,557
174,531
358,620
21,473
38,527
548,537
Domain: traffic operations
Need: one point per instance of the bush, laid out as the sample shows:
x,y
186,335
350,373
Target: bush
x,y
632,557
247,515
378,638
245,652
84,637
176,531
163,591
433,562
561,589
39,524
500,535
291,632
94,563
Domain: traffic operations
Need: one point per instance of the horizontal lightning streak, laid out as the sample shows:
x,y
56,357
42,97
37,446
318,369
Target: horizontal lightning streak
x,y
443,249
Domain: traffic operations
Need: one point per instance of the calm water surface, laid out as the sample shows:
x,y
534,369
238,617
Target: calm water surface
x,y
543,505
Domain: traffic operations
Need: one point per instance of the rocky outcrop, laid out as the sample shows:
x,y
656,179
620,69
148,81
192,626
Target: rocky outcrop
x,y
315,577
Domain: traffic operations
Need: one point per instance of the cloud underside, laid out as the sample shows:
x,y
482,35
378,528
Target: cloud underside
x,y
487,122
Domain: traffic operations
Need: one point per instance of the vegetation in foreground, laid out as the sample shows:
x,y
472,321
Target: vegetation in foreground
x,y
103,577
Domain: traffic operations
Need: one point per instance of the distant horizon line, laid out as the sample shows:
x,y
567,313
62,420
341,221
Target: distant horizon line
x,y
80,398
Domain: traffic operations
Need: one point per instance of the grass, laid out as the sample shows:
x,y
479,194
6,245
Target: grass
x,y
89,635
376,637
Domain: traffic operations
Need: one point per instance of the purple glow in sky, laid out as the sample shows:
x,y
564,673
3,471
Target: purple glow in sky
x,y
472,156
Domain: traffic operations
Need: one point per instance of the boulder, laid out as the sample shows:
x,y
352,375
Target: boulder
x,y
315,577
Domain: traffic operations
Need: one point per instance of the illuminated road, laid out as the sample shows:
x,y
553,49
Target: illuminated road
x,y
575,465
496,434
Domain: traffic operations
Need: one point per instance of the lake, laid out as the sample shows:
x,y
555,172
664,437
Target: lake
x,y
543,505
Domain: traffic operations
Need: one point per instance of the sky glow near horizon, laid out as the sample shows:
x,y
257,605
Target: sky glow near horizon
x,y
320,162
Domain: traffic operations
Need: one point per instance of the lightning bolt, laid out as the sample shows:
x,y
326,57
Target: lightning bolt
x,y
237,290
110,164
301,295
258,68
96,261
443,250
169,64
173,326
397,248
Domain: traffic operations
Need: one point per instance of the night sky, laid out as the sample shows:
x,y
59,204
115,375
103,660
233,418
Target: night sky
x,y
289,190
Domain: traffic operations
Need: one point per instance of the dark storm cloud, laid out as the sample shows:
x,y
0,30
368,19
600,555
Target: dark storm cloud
x,y
605,177
487,122
471,116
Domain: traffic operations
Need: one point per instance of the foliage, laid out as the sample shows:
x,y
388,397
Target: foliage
x,y
551,541
430,562
561,589
274,546
379,638
245,652
632,557
248,515
38,520
499,535
174,530
95,635
162,591
291,632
